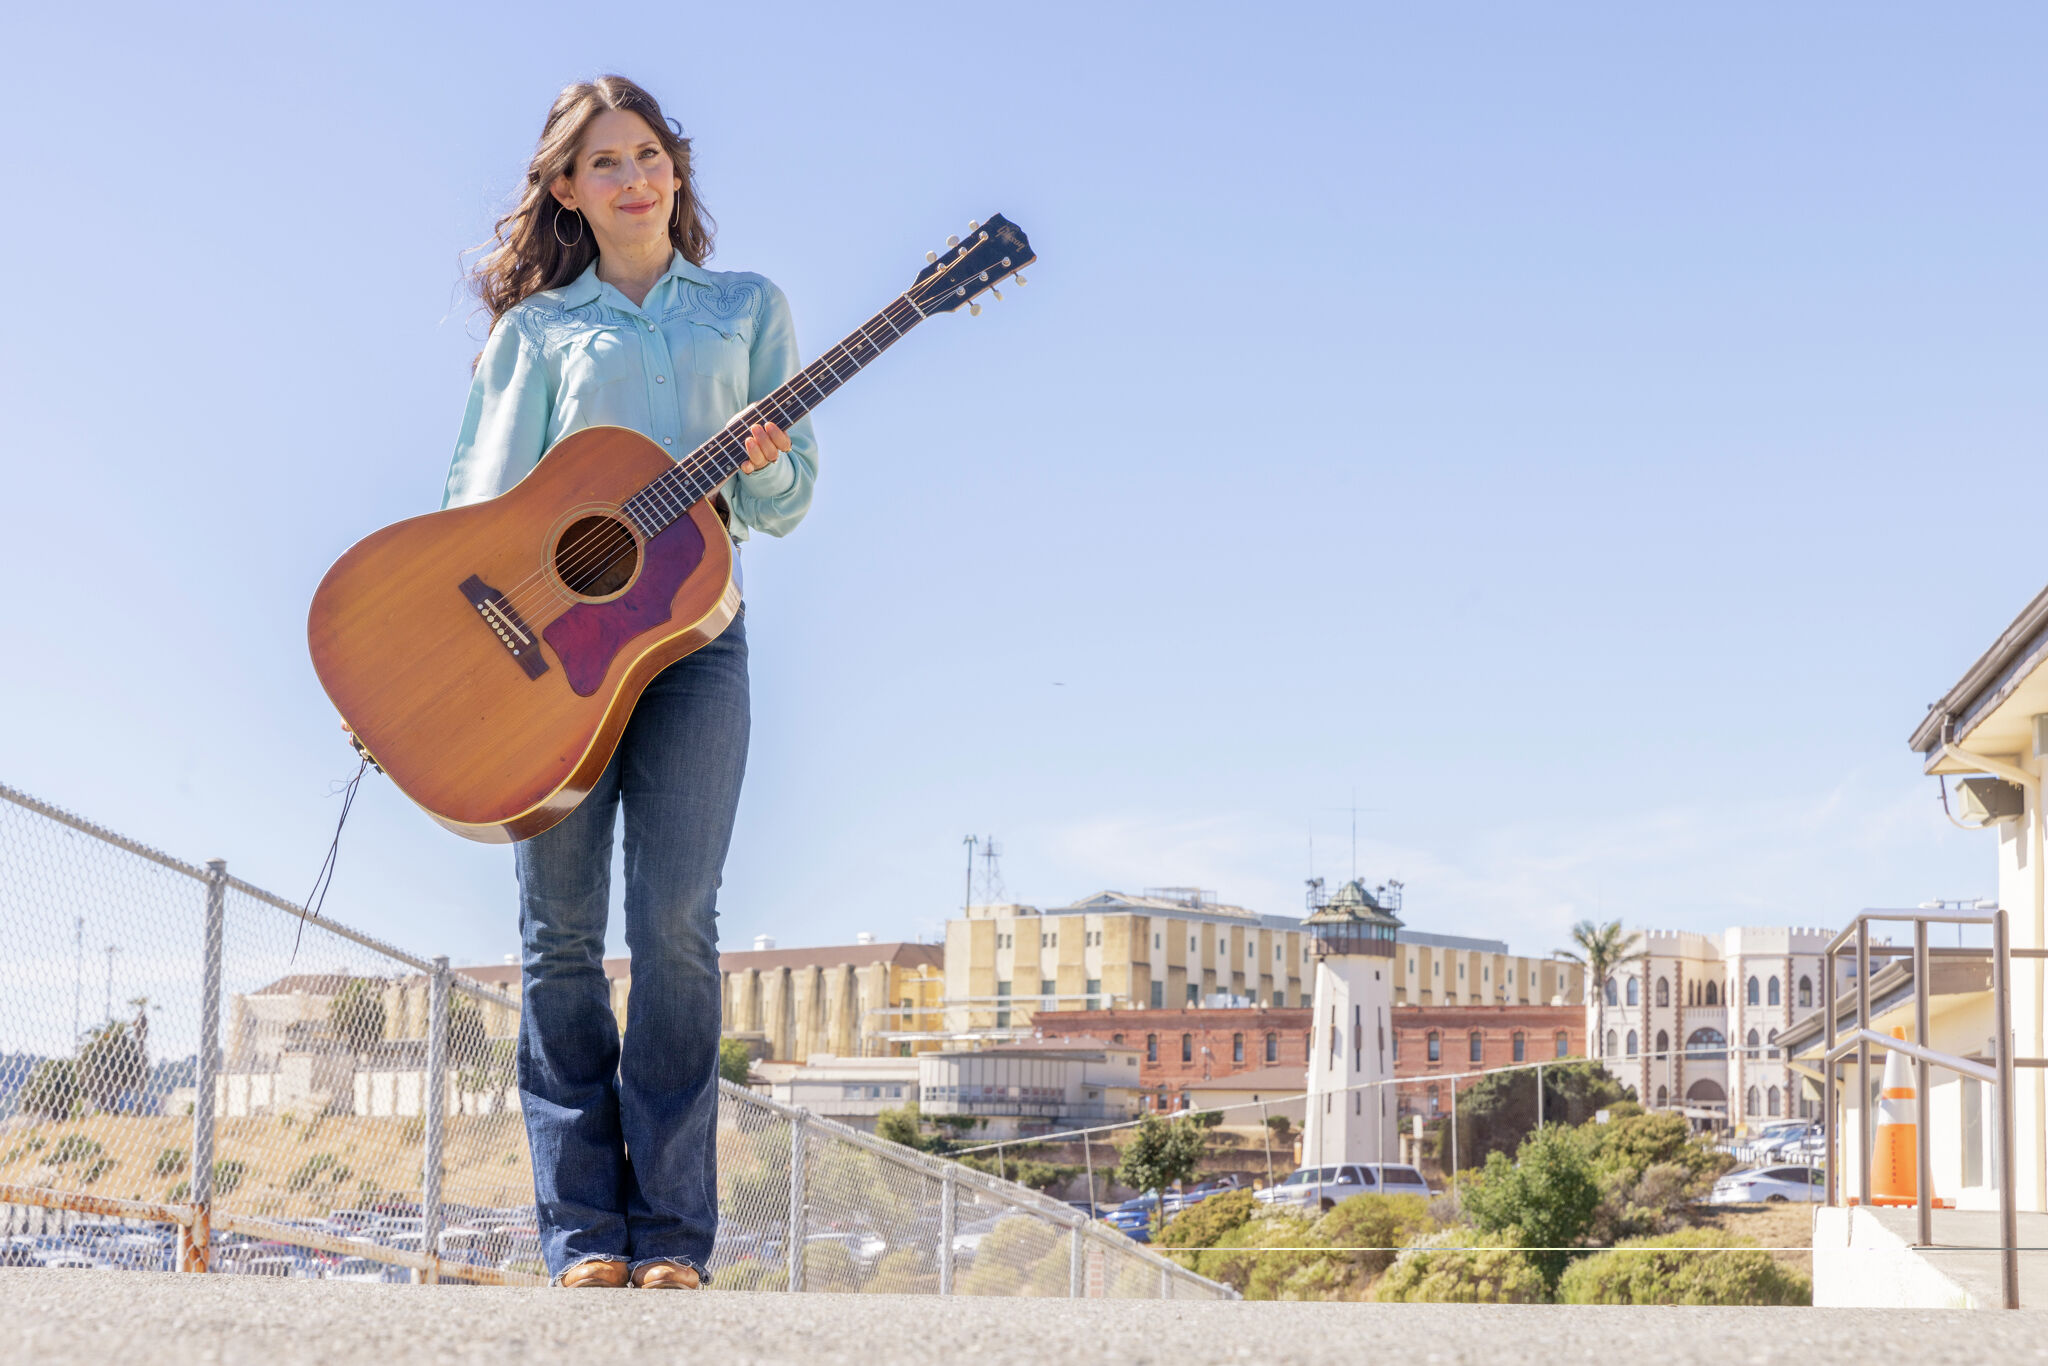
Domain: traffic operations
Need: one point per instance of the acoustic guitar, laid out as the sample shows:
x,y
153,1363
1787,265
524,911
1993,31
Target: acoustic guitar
x,y
486,658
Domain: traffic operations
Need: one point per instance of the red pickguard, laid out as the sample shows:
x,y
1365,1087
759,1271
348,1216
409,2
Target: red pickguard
x,y
589,636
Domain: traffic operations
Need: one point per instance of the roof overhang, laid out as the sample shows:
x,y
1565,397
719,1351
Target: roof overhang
x,y
1991,708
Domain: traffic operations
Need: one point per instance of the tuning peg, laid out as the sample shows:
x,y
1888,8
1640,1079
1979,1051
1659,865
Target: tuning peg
x,y
931,256
1021,280
974,310
952,241
973,226
998,293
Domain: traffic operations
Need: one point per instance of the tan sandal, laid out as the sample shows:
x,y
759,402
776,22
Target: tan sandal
x,y
597,1273
666,1275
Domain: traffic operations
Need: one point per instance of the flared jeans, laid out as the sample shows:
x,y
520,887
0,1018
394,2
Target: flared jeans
x,y
625,1160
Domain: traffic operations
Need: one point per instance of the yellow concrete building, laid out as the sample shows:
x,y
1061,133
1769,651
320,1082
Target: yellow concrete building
x,y
1175,947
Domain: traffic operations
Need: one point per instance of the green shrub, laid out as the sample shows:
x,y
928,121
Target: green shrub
x,y
1234,1261
1372,1221
100,1167
315,1167
735,1061
1006,1253
1203,1225
228,1174
1463,1266
752,1275
829,1266
1549,1194
169,1160
72,1147
1683,1274
903,1272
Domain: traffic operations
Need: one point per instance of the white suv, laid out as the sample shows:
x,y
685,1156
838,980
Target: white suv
x,y
1319,1188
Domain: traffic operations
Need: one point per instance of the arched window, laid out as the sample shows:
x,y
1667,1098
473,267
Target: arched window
x,y
1272,1048
1435,1105
1151,1048
1611,1042
1663,1043
1692,993
1771,1044
1187,1048
1772,994
1613,996
1478,1053
1751,1103
1635,992
1663,991
1713,994
1772,1103
1756,992
1805,991
1397,1045
1633,1043
1237,1048
1521,1046
1663,1096
1755,1043
1706,1044
1564,1044
1436,1047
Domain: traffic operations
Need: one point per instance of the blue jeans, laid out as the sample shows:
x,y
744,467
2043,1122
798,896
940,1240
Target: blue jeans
x,y
624,1140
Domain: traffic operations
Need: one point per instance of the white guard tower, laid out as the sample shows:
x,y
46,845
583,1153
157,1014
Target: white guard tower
x,y
1352,941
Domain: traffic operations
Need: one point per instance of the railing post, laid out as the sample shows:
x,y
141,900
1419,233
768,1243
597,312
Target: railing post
x,y
1076,1265
1165,1283
2008,1194
1923,987
434,1105
949,1205
1831,1128
195,1244
793,1242
1539,1097
1866,1113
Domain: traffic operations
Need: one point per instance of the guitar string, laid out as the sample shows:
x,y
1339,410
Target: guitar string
x,y
581,558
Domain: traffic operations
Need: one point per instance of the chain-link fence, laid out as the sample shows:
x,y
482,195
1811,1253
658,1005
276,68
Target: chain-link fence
x,y
195,1075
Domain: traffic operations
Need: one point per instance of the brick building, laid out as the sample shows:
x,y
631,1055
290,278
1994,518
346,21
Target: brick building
x,y
1437,1041
1180,1049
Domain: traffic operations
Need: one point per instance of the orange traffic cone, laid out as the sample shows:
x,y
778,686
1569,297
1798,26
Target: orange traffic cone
x,y
1895,1161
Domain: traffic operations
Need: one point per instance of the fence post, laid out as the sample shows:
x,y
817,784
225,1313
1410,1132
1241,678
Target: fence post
x,y
1165,1283
434,1105
2008,1177
1076,1261
949,1206
1539,1095
195,1244
793,1240
1454,1139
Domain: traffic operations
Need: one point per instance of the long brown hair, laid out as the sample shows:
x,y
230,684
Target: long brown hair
x,y
526,254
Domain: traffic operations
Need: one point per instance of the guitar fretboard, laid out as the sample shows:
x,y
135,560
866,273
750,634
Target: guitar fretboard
x,y
697,474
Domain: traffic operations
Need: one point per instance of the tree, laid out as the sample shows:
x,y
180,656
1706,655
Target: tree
x,y
1742,1274
112,1064
1161,1153
1547,1197
356,1014
51,1091
1497,1112
466,1036
1600,950
735,1062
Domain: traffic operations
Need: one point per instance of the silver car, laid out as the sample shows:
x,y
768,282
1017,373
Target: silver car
x,y
1320,1188
1770,1185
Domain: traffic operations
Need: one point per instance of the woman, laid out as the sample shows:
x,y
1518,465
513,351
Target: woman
x,y
602,312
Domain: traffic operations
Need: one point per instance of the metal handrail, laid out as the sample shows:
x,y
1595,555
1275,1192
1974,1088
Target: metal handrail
x,y
1838,1046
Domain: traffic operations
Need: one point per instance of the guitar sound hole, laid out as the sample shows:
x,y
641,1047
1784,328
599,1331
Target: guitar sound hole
x,y
596,557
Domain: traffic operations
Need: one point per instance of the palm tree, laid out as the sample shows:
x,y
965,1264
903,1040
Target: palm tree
x,y
1600,949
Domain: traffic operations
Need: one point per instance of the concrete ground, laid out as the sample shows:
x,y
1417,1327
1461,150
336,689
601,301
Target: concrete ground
x,y
56,1317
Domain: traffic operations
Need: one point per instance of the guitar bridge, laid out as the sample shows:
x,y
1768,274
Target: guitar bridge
x,y
506,624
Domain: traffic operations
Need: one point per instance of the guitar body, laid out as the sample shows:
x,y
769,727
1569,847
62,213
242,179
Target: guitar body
x,y
489,656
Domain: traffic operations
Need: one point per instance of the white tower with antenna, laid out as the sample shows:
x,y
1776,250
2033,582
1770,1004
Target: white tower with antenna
x,y
1352,943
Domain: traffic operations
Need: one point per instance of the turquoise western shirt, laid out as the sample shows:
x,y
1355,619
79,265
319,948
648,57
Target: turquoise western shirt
x,y
676,368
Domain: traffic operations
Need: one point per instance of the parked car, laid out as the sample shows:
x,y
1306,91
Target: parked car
x,y
1320,1188
1772,1185
364,1269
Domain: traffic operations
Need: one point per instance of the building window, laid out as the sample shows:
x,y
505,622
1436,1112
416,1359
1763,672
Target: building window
x,y
1272,1048
1191,943
1308,1046
1439,968
1397,1045
1756,992
1159,995
1461,972
1478,1047
1773,995
1613,1044
1708,1045
1002,1005
1772,1103
1663,1043
1279,999
1047,988
1436,1047
1633,1043
1194,993
1151,1048
1805,991
1613,996
1663,991
1635,992
1155,941
1663,1096
1713,994
1771,1044
1521,1046
1751,1103
1094,993
1237,1048
1116,1038
1187,1048
1435,1103
1276,953
1564,1044
1755,1042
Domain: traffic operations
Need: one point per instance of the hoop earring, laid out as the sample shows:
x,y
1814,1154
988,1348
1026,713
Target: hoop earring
x,y
675,214
556,223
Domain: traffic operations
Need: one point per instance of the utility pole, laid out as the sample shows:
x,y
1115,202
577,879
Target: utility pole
x,y
112,949
967,892
78,981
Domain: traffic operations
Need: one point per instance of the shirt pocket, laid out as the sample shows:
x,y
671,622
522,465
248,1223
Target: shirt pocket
x,y
719,352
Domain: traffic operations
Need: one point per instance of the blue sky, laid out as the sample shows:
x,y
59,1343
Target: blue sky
x,y
1591,435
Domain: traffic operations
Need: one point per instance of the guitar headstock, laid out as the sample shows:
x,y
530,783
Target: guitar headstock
x,y
992,253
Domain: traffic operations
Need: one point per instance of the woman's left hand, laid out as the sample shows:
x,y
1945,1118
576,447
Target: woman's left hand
x,y
765,441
